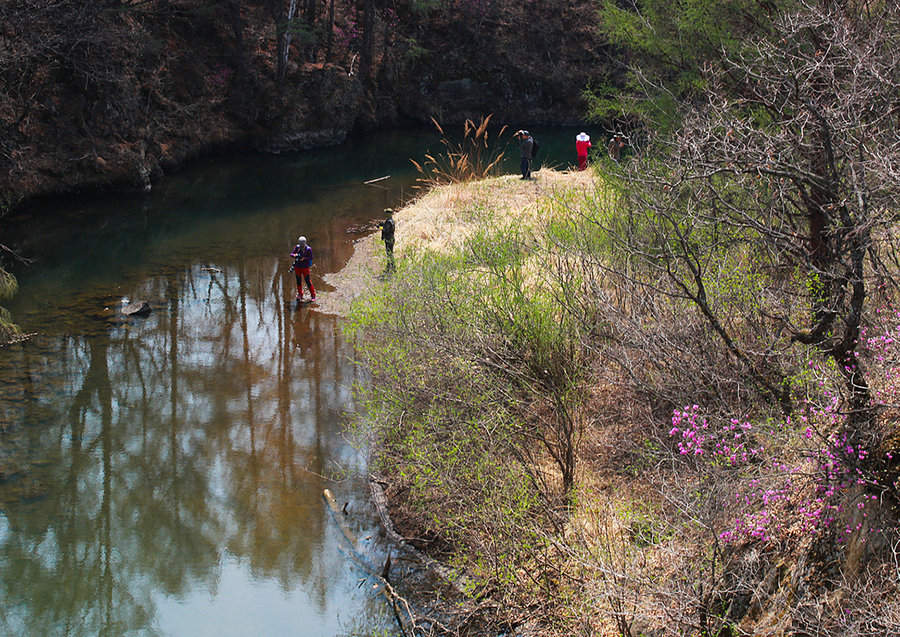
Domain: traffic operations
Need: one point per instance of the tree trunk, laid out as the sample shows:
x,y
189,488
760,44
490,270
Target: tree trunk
x,y
237,28
386,38
330,39
368,39
283,17
285,51
312,8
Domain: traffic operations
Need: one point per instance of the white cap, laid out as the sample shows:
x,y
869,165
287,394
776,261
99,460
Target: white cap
x,y
302,240
583,137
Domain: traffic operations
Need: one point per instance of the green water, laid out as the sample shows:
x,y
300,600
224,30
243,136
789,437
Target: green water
x,y
163,475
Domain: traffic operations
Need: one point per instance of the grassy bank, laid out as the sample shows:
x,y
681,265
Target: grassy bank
x,y
556,418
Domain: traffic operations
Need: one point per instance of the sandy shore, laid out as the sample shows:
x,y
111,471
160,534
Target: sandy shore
x,y
361,271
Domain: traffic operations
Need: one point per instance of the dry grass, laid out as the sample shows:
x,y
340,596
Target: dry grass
x,y
444,217
448,214
473,158
640,547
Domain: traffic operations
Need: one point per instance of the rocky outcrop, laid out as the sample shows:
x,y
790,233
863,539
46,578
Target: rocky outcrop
x,y
101,98
321,110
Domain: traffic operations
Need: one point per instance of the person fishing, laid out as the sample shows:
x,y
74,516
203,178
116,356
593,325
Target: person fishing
x,y
616,144
303,256
526,146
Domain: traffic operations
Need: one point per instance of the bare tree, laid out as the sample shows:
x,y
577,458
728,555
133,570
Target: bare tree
x,y
367,52
283,12
787,173
309,18
329,40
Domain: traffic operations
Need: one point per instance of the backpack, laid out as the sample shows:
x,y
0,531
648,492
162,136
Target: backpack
x,y
535,147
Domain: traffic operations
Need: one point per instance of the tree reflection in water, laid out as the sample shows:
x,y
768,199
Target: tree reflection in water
x,y
143,458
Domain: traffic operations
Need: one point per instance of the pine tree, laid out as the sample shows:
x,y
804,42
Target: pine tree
x,y
664,47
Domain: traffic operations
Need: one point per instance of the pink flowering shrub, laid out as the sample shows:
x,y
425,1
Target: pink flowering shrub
x,y
879,343
812,476
219,77
390,18
730,443
809,494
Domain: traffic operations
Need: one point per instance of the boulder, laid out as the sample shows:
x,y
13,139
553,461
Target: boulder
x,y
138,308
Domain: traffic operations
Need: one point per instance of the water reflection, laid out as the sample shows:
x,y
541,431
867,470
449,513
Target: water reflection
x,y
162,476
163,457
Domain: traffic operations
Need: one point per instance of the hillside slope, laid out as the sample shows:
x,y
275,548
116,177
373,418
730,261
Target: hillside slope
x,y
522,410
116,93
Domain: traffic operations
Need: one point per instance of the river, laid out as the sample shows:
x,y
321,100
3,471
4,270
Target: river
x,y
164,475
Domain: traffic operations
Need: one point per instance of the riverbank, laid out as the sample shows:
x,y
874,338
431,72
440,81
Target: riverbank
x,y
160,85
442,221
521,412
442,218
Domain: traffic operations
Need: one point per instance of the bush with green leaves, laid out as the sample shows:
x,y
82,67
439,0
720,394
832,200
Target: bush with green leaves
x,y
665,48
475,397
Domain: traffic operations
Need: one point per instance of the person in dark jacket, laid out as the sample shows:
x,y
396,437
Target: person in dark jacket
x,y
388,226
303,256
526,145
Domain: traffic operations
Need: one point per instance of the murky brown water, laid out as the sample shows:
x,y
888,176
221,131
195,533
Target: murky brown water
x,y
163,475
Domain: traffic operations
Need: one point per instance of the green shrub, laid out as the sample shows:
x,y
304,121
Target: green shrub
x,y
475,393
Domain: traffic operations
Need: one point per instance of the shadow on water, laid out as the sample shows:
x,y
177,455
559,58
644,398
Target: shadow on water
x,y
163,475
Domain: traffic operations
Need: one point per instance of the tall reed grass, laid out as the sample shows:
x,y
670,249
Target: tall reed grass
x,y
472,158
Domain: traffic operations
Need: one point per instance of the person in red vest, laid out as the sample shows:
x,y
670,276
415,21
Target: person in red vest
x,y
582,144
303,256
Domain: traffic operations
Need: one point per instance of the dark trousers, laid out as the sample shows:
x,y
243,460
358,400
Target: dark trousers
x,y
526,168
389,249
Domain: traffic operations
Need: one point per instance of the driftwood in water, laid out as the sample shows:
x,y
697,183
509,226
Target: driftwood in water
x,y
459,582
18,337
402,610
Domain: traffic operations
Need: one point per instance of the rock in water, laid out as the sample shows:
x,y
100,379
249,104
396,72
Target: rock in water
x,y
139,308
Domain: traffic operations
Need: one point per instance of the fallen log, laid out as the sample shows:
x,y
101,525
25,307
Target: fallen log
x,y
460,582
402,610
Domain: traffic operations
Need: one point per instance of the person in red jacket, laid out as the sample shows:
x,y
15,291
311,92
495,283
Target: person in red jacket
x,y
303,256
582,144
